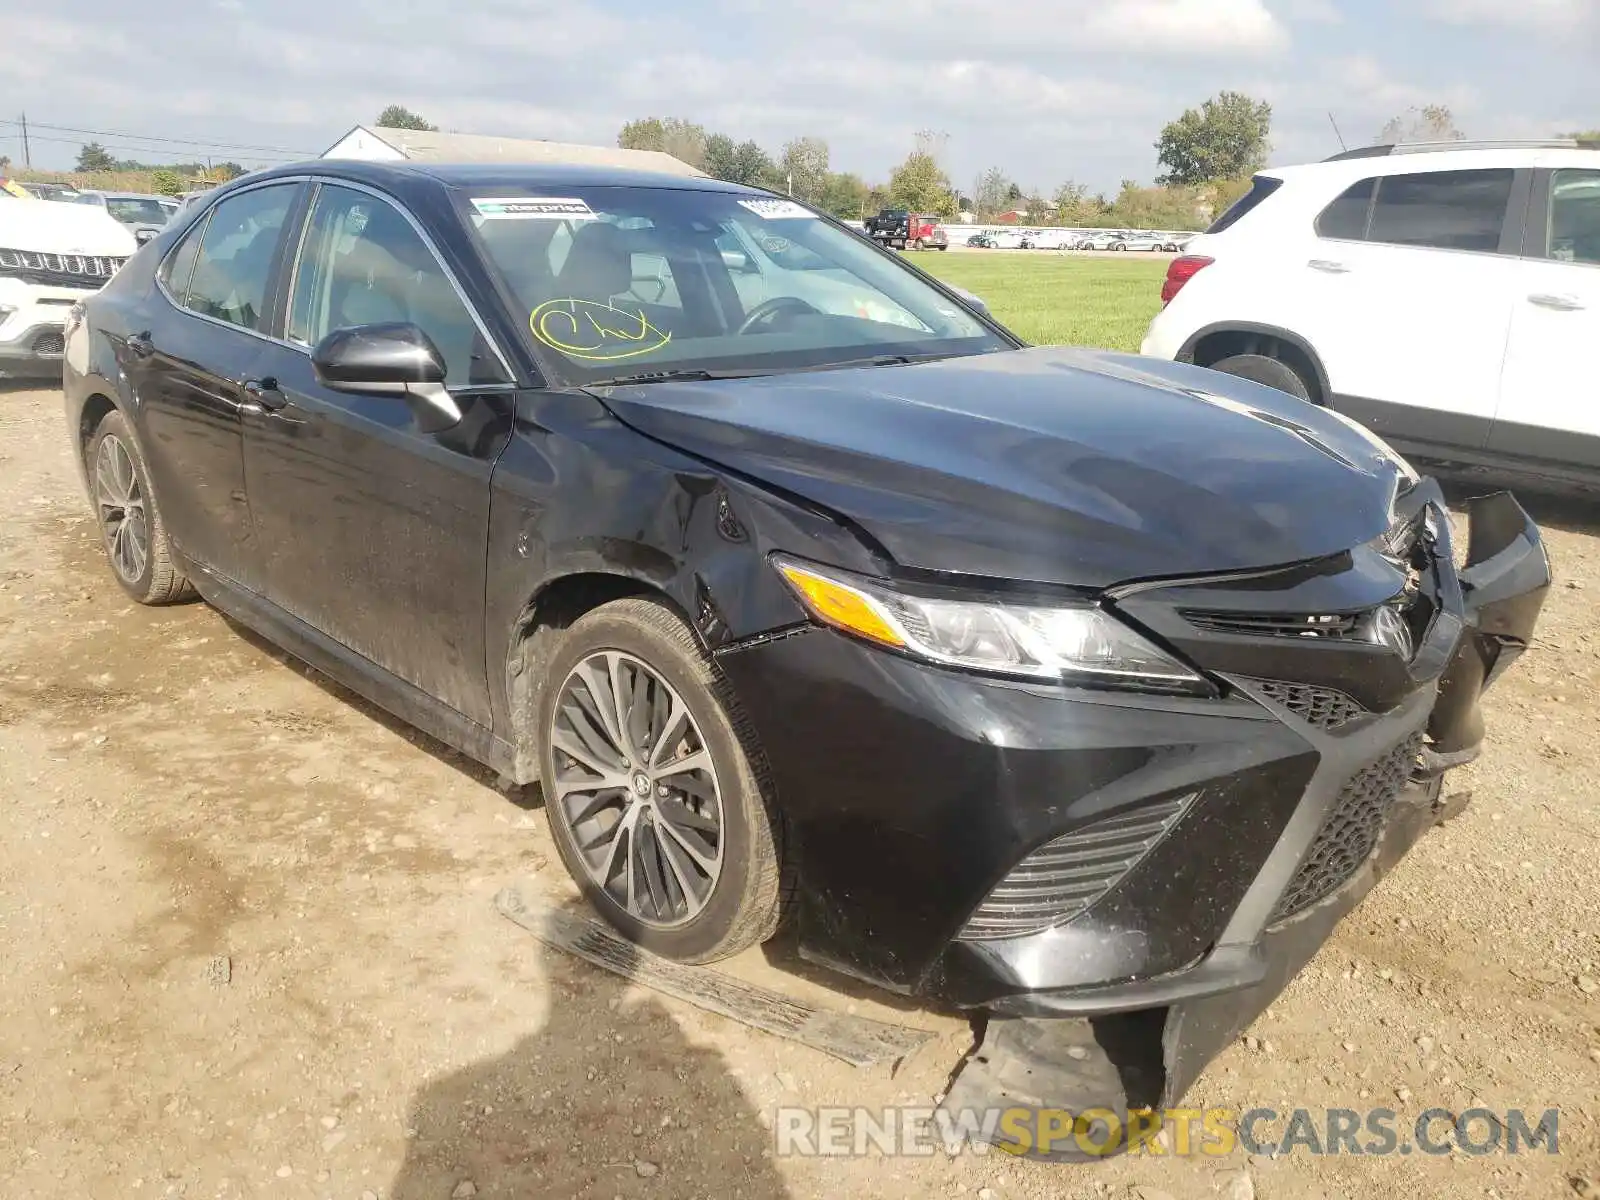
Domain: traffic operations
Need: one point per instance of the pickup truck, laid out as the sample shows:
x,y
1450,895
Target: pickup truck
x,y
907,230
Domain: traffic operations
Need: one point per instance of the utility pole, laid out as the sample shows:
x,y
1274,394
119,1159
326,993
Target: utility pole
x,y
27,157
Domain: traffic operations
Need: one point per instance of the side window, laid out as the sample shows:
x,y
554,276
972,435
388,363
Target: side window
x,y
178,268
1574,217
1346,217
1448,210
362,264
234,264
1261,187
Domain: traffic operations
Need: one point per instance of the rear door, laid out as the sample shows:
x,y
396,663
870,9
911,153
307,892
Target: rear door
x,y
1407,297
1549,393
206,335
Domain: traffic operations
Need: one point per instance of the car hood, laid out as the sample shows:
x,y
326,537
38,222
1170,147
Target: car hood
x,y
1057,466
51,227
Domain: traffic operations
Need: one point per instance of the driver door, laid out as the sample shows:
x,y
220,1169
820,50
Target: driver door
x,y
374,530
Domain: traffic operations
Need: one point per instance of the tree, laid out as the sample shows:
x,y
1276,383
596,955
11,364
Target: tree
x,y
1073,205
804,166
920,185
682,139
398,116
1225,137
1430,123
845,196
95,157
744,163
1592,136
994,187
166,182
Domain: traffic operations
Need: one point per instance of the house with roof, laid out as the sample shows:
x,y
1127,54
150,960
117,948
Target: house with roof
x,y
380,143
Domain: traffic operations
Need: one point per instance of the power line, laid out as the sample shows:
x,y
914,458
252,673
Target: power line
x,y
43,137
140,137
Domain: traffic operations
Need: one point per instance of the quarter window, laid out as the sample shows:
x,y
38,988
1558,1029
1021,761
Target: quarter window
x,y
1574,217
1346,217
1448,210
234,265
363,264
175,272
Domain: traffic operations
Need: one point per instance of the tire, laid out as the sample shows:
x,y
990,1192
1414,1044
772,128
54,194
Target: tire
x,y
708,915
131,529
1273,372
1118,246
944,246
919,244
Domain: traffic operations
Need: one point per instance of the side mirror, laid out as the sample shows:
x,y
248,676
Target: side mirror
x,y
972,300
738,262
391,359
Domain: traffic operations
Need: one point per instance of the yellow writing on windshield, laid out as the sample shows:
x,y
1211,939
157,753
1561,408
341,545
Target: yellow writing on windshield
x,y
594,331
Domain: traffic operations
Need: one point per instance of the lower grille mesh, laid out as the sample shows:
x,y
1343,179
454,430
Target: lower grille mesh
x,y
1351,830
1323,707
1065,876
49,343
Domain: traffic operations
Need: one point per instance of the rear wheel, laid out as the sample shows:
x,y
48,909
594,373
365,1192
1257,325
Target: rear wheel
x,y
131,528
1118,246
1273,372
653,788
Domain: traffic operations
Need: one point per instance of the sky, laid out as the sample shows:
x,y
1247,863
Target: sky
x,y
1047,90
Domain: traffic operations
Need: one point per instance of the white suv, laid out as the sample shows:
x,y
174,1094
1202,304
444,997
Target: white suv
x,y
1447,295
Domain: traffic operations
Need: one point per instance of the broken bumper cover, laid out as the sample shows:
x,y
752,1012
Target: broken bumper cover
x,y
1052,1067
939,790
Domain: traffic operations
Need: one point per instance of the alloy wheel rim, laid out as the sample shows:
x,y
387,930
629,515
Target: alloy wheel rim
x,y
124,521
636,789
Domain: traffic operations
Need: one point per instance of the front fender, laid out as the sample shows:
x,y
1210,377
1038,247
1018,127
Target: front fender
x,y
581,498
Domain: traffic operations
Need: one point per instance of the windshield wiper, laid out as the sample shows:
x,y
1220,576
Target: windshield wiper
x,y
673,376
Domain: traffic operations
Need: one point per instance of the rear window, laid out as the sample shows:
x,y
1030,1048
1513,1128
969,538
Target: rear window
x,y
1261,187
1446,210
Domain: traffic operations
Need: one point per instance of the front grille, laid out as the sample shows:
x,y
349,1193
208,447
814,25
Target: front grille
x,y
62,270
1326,708
50,343
1315,625
1065,876
1350,833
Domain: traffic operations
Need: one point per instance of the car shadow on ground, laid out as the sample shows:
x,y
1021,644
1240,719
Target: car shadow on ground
x,y
609,1098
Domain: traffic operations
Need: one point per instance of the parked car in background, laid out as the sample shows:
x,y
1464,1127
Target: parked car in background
x,y
63,192
984,241
145,214
51,256
1102,239
850,610
1448,296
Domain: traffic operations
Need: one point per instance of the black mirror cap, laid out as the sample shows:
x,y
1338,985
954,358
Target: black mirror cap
x,y
387,357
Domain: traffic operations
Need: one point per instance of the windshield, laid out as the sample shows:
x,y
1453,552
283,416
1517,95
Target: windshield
x,y
136,210
611,282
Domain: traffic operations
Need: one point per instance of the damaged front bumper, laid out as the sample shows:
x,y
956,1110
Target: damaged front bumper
x,y
1141,1043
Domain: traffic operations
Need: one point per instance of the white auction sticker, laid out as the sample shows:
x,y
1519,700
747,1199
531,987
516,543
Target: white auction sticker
x,y
777,210
531,208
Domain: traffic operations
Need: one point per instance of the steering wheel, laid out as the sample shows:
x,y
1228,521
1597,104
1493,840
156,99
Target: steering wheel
x,y
768,309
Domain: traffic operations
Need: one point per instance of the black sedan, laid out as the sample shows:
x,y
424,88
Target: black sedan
x,y
1041,682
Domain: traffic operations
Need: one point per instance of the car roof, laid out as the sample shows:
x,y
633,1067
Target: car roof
x,y
1360,166
402,176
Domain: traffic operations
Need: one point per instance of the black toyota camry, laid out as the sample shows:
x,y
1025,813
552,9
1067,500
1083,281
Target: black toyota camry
x,y
1040,682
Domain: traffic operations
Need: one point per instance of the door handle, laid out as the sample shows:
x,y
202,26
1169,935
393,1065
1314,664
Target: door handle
x,y
1328,265
139,345
1558,303
262,396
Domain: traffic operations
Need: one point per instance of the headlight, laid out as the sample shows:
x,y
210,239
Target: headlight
x,y
1067,643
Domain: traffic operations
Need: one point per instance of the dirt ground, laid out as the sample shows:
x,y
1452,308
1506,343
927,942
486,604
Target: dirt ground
x,y
248,946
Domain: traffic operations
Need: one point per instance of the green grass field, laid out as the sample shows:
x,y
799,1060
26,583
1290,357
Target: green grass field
x,y
1054,299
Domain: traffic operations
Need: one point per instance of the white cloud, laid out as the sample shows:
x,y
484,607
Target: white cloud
x,y
1546,16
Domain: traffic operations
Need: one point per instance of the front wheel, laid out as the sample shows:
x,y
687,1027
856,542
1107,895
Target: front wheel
x,y
654,789
1273,372
919,244
131,529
